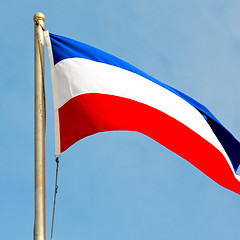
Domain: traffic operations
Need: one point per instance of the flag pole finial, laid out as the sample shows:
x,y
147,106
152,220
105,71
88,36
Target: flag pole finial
x,y
39,16
39,19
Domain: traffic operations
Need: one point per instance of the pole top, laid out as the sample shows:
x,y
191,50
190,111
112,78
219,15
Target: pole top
x,y
39,16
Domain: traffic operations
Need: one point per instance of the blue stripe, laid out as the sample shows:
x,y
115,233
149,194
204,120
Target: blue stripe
x,y
63,48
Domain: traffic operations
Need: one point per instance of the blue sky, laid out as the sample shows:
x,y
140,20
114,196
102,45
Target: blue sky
x,y
121,185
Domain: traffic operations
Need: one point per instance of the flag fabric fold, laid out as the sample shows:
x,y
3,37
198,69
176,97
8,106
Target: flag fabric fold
x,y
97,92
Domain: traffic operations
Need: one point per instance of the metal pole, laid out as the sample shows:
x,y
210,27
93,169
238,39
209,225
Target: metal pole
x,y
39,129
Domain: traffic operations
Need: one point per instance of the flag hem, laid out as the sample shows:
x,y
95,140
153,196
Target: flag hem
x,y
56,116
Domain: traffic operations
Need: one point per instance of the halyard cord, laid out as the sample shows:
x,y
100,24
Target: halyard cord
x,y
55,194
39,24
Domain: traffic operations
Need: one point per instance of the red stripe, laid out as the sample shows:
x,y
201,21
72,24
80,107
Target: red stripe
x,y
87,114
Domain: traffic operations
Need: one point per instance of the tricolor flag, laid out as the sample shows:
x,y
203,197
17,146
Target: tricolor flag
x,y
97,92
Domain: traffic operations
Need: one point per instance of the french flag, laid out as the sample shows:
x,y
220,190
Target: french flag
x,y
97,92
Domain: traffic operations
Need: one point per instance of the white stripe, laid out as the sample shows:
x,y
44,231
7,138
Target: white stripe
x,y
76,76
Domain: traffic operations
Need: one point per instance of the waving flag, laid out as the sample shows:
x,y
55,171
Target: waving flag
x,y
97,92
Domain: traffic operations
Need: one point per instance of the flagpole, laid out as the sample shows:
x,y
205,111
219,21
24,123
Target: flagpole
x,y
39,129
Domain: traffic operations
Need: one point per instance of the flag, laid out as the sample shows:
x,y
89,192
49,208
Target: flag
x,y
97,92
